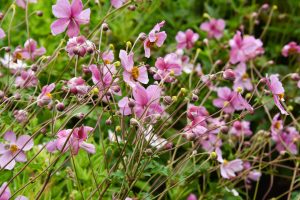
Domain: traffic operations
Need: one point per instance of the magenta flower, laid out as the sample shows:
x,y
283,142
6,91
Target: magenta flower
x,y
242,79
74,142
2,33
186,39
26,79
170,64
132,74
4,192
244,48
290,48
230,168
275,86
77,86
155,37
287,140
69,16
45,98
192,197
22,3
196,111
240,128
146,102
79,46
14,147
214,28
30,50
117,3
230,101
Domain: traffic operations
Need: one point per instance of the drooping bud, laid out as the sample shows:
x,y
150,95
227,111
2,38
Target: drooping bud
x,y
105,27
108,122
134,122
194,98
229,74
131,103
167,100
39,13
295,77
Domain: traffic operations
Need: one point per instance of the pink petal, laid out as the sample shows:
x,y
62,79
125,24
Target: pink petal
x,y
161,37
62,9
126,60
76,7
21,157
140,95
21,198
59,26
123,105
83,17
51,146
10,136
3,148
2,33
147,50
25,140
154,93
5,158
90,148
73,29
143,75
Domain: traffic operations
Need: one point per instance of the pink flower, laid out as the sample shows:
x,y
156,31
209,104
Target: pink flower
x,y
103,78
45,98
254,175
196,111
211,143
170,64
146,102
290,48
117,3
286,140
196,129
69,16
192,197
30,50
14,147
79,46
108,56
242,79
277,124
26,79
22,3
241,128
214,28
132,74
186,39
77,86
230,168
275,86
74,142
2,33
244,48
4,192
155,37
230,101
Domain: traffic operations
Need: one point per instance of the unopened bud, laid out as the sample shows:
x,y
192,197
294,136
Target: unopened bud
x,y
34,67
295,77
105,27
131,103
17,96
132,7
167,100
1,16
290,108
118,128
174,98
213,155
224,129
117,63
39,13
1,94
194,98
108,122
142,36
183,91
134,122
7,49
265,6
128,44
229,74
248,95
60,106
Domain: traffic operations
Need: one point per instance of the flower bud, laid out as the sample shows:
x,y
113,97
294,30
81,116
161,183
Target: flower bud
x,y
183,90
34,67
265,6
117,63
7,49
1,16
174,98
131,103
167,100
213,155
118,128
134,122
132,7
105,27
90,50
295,77
229,74
108,122
17,96
128,44
39,13
60,106
194,98
224,129
1,94
168,146
142,36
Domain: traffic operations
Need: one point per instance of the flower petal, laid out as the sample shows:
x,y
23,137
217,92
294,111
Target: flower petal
x,y
59,26
25,142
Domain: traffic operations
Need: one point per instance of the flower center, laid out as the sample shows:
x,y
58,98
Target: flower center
x,y
245,76
19,56
226,103
106,62
225,162
277,125
135,73
48,94
281,96
13,148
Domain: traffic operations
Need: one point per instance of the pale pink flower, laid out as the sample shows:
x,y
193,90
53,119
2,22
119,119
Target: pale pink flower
x,y
22,3
77,85
132,74
2,33
155,37
15,147
290,48
192,197
230,101
146,102
277,124
108,57
196,111
196,129
230,168
211,143
244,48
242,79
26,79
170,64
30,50
79,46
4,192
254,175
72,140
186,39
275,86
240,128
69,16
21,116
117,3
287,140
45,98
214,28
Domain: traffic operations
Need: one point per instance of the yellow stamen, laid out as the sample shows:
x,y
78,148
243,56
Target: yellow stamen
x,y
281,96
106,62
225,162
13,148
135,73
277,125
48,94
245,77
226,103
